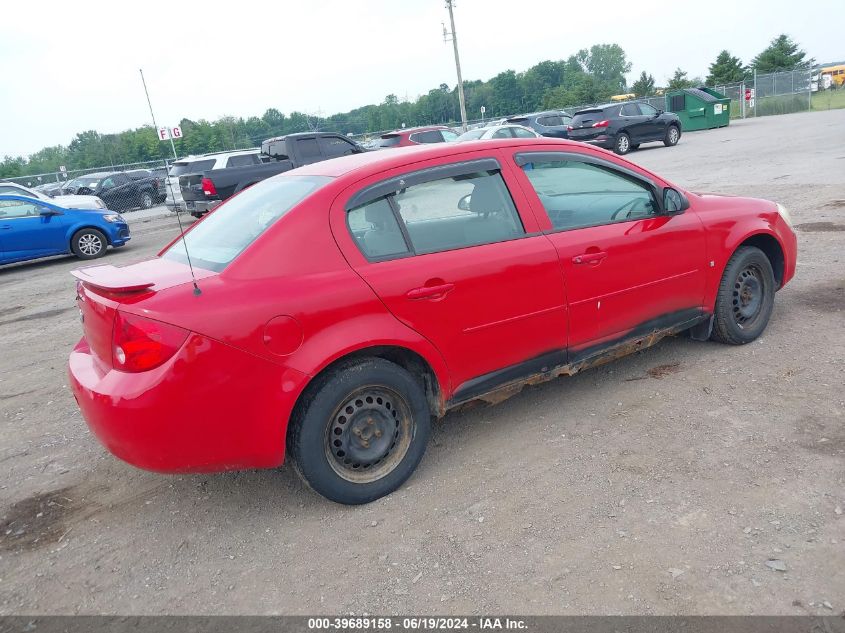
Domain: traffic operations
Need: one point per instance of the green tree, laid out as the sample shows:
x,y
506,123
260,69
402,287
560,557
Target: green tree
x,y
606,63
680,80
727,69
782,54
643,86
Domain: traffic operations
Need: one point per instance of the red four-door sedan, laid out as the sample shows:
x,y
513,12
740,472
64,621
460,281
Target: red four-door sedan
x,y
339,307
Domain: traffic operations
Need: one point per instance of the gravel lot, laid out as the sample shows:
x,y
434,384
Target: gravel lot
x,y
660,484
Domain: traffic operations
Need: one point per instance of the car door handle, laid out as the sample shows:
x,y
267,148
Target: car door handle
x,y
593,259
5,227
430,292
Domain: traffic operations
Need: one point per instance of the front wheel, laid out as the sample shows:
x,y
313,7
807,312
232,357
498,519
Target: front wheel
x,y
363,432
622,144
746,297
88,244
673,135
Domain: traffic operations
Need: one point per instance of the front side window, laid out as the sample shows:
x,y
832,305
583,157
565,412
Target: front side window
x,y
333,147
503,133
18,209
438,215
577,194
647,109
226,233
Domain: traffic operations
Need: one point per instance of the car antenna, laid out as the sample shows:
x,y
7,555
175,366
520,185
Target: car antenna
x,y
197,291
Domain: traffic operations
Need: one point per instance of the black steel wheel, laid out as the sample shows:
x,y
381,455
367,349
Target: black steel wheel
x,y
622,144
360,431
746,297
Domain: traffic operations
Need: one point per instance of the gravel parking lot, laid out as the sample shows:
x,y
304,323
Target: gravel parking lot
x,y
692,478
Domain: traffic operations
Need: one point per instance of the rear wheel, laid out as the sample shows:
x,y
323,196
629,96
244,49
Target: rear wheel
x,y
622,145
88,244
146,200
363,432
746,297
673,135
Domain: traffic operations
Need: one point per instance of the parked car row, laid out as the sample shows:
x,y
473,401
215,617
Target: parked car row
x,y
120,190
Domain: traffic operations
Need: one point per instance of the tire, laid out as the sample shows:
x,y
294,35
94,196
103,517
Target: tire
x,y
145,201
89,244
363,433
745,299
622,143
673,135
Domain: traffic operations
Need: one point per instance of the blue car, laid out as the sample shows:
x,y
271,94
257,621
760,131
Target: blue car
x,y
31,228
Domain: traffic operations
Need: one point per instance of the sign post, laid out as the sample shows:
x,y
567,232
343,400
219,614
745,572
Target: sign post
x,y
483,110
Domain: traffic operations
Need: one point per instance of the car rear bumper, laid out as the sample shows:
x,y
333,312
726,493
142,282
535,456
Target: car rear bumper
x,y
209,408
599,141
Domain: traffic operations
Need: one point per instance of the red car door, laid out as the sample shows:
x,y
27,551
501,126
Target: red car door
x,y
448,252
629,267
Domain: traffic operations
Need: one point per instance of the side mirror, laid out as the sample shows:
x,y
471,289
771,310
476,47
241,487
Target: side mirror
x,y
49,213
463,203
674,201
659,112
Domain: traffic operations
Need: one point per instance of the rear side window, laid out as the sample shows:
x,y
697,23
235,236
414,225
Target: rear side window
x,y
576,194
389,140
439,215
8,189
333,147
429,136
244,160
519,132
227,232
308,148
191,167
554,120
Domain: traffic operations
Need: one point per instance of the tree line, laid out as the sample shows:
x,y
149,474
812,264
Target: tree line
x,y
589,76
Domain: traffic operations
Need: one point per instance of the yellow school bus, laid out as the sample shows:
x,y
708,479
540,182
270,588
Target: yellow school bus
x,y
623,97
837,74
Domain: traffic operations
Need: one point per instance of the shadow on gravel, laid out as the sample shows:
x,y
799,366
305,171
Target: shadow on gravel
x,y
39,520
827,297
44,314
821,227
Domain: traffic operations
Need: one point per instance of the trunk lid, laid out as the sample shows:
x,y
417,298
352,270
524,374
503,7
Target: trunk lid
x,y
101,290
191,187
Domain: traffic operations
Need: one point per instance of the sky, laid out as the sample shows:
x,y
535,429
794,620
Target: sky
x,y
71,67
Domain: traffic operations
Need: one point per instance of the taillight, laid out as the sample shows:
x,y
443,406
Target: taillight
x,y
208,187
601,123
140,344
569,128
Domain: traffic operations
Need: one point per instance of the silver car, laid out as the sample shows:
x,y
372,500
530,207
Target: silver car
x,y
499,131
69,202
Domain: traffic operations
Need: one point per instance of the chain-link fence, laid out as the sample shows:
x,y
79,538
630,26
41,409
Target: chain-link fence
x,y
773,93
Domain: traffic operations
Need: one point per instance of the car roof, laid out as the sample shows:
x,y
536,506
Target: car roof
x,y
401,156
421,128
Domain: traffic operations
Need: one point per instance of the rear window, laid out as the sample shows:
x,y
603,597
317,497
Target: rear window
x,y
191,167
227,232
553,120
587,117
388,140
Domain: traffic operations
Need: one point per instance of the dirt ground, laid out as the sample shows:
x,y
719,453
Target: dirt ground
x,y
660,484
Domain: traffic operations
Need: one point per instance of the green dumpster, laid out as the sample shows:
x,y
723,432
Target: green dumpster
x,y
699,108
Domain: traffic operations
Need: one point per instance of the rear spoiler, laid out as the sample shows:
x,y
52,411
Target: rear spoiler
x,y
111,279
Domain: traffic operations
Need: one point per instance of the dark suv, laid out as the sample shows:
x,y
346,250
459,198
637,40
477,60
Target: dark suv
x,y
552,123
623,126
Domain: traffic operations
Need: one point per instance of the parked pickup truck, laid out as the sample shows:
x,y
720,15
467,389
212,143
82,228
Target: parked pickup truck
x,y
202,191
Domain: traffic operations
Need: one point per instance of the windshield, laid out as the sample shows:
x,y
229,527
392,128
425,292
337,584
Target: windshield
x,y
191,167
227,232
472,135
388,141
85,181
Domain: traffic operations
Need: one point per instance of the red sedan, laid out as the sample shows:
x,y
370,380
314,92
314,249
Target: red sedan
x,y
339,307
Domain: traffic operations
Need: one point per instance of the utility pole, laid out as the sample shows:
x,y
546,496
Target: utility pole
x,y
454,36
